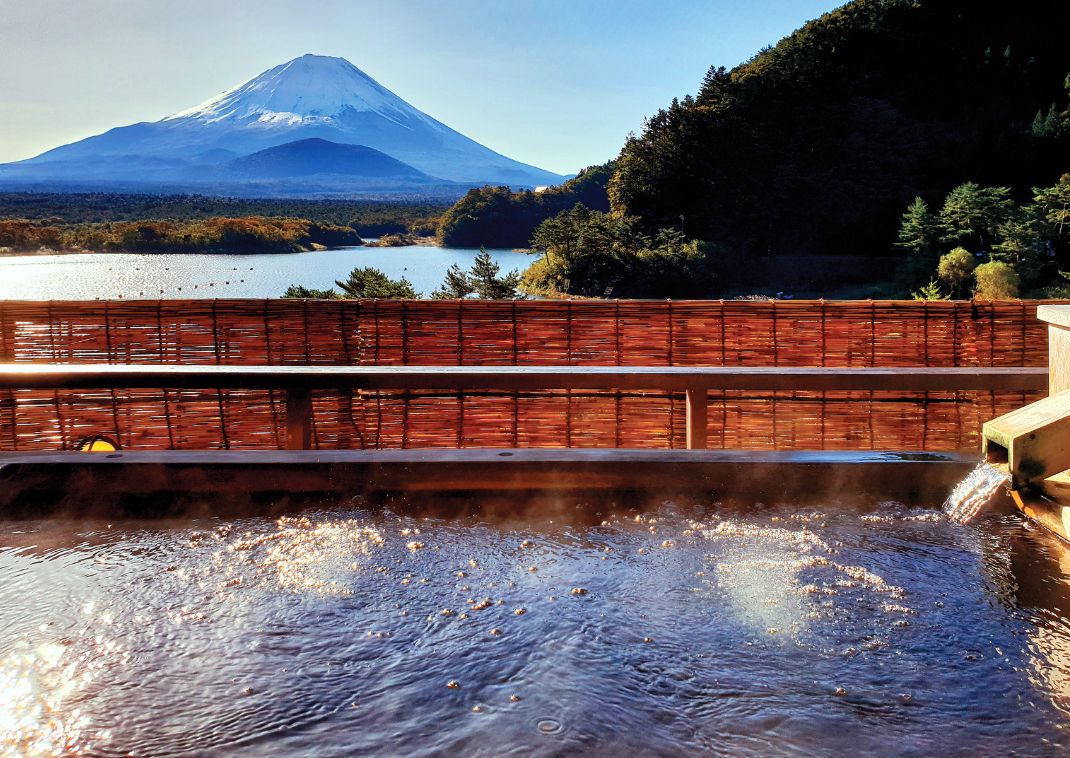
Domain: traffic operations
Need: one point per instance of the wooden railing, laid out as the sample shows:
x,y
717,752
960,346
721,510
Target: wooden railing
x,y
299,382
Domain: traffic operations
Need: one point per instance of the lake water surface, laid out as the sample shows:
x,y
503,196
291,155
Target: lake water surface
x,y
680,630
177,276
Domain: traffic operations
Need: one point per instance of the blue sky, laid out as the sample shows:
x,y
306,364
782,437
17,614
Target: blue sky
x,y
556,83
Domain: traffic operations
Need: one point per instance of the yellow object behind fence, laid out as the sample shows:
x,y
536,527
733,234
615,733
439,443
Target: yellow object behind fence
x,y
97,443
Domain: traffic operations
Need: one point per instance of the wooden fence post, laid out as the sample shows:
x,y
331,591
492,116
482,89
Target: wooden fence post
x,y
298,419
697,401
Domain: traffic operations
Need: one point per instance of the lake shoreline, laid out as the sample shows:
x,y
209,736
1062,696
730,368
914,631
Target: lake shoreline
x,y
314,248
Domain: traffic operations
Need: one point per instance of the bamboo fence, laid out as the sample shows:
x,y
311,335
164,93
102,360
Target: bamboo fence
x,y
614,333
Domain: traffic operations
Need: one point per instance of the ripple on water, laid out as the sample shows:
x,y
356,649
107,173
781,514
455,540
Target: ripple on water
x,y
676,630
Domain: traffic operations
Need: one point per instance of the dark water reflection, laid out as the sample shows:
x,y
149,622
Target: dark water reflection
x,y
677,629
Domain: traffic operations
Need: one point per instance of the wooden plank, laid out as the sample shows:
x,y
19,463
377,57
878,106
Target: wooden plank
x,y
674,378
298,419
1033,440
697,406
211,483
484,457
1058,315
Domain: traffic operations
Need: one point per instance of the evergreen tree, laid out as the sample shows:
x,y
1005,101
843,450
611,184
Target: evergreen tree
x,y
974,213
296,291
930,291
919,229
1021,244
456,285
714,84
487,284
482,280
1053,207
370,282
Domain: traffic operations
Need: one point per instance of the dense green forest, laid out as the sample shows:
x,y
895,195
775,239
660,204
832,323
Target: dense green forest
x,y
498,217
815,146
250,234
368,218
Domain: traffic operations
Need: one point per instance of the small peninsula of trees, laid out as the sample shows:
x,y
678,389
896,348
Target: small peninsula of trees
x,y
499,217
597,254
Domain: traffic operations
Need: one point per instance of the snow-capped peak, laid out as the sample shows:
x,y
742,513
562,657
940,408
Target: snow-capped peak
x,y
312,88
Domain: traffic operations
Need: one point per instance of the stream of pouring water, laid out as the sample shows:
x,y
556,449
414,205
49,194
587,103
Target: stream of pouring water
x,y
974,492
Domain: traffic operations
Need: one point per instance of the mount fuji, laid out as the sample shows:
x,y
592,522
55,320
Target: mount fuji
x,y
301,104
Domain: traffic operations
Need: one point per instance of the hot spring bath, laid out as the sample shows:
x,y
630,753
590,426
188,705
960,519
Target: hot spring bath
x,y
657,626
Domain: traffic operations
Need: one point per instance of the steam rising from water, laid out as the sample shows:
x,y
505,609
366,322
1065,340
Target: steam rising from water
x,y
974,492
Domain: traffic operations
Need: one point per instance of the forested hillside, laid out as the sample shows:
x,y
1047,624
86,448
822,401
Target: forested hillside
x,y
249,234
817,144
498,217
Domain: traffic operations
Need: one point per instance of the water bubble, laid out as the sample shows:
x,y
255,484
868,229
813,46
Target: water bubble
x,y
549,726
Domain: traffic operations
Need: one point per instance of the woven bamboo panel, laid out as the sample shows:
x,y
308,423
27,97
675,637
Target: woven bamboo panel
x,y
628,333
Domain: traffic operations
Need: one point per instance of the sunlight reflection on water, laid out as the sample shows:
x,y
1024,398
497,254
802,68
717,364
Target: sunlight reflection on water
x,y
677,629
176,276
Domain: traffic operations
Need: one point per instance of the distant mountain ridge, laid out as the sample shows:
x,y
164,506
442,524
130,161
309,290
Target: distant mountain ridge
x,y
311,97
316,157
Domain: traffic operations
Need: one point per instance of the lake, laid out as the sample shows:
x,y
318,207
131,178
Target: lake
x,y
181,275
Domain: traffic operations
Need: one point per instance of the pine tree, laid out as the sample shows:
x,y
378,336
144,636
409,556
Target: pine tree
x,y
369,282
487,284
919,230
930,291
456,285
972,212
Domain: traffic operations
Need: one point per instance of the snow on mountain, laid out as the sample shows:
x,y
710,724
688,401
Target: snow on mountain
x,y
311,97
308,89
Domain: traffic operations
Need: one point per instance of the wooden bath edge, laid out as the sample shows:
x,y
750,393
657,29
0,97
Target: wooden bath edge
x,y
265,482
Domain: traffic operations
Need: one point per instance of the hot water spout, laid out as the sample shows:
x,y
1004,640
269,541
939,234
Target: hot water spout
x,y
1033,442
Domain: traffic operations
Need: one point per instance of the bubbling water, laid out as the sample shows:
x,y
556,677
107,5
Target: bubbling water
x,y
670,628
974,492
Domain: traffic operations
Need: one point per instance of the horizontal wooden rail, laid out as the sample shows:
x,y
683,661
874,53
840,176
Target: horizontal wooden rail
x,y
694,381
678,378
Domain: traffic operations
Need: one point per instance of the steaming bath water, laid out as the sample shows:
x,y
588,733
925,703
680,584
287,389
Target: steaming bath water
x,y
975,491
678,629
